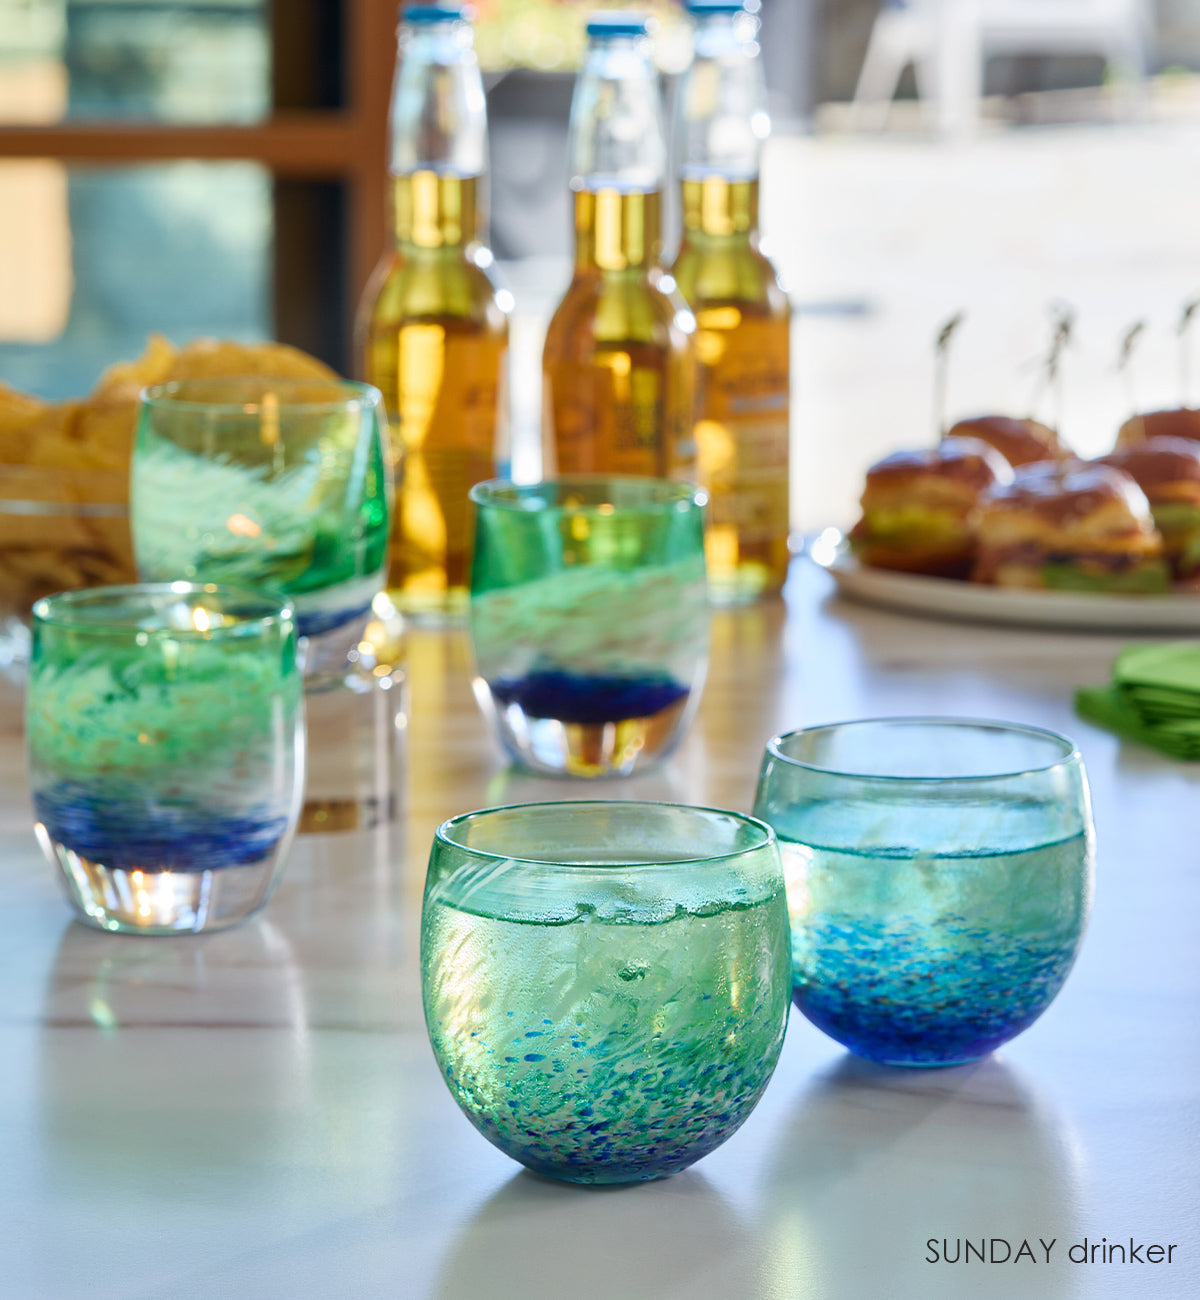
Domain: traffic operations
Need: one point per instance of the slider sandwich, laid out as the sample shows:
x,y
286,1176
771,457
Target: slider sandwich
x,y
1168,472
1070,527
918,506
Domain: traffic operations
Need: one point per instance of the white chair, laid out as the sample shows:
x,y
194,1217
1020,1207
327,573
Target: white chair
x,y
949,41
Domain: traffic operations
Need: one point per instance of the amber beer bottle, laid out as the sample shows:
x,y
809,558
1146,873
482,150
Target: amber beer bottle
x,y
433,326
742,312
617,367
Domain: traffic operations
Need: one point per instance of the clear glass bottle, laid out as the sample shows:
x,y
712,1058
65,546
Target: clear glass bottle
x,y
742,312
617,366
433,325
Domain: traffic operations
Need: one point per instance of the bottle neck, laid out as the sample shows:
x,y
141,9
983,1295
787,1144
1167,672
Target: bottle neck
x,y
438,115
721,117
615,134
431,210
715,207
617,230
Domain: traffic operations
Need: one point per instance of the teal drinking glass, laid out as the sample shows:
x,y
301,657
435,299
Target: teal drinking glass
x,y
589,619
939,877
165,736
278,483
606,984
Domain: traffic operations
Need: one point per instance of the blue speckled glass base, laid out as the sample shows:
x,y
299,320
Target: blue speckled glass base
x,y
607,1051
897,995
580,1110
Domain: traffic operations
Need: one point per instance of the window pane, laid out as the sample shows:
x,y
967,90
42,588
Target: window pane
x,y
100,258
151,60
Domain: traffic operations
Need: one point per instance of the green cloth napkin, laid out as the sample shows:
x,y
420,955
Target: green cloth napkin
x,y
1154,698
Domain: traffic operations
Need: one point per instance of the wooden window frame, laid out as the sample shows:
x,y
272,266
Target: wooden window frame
x,y
345,144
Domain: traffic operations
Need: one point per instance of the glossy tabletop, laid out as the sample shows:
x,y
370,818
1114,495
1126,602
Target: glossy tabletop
x,y
257,1112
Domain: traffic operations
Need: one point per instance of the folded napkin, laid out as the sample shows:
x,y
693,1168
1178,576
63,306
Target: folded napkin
x,y
1154,698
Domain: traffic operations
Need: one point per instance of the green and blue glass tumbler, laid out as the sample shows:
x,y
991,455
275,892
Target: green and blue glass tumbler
x,y
606,984
589,619
269,483
165,736
939,876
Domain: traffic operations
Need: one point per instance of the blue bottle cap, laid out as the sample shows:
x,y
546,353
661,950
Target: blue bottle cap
x,y
420,14
617,22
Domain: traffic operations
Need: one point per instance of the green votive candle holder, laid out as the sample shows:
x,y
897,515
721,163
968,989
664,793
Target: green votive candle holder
x,y
606,984
589,619
165,734
267,483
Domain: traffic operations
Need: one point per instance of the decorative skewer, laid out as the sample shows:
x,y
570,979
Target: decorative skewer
x,y
1125,361
1185,377
941,367
1051,369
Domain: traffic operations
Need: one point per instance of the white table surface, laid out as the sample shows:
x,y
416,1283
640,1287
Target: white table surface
x,y
257,1113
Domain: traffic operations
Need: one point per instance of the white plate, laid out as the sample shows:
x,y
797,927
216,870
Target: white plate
x,y
974,603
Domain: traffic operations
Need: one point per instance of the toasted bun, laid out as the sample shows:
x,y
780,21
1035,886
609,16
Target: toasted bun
x,y
953,472
1166,469
1075,498
938,560
1020,442
1181,422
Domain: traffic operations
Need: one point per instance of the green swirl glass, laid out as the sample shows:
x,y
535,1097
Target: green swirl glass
x,y
263,482
939,876
606,984
165,734
589,619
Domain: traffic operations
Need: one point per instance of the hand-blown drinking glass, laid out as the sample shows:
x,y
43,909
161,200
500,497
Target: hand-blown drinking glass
x,y
166,750
589,619
606,984
280,483
939,875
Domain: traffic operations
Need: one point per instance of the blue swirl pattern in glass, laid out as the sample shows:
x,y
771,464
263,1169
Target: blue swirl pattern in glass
x,y
589,619
165,734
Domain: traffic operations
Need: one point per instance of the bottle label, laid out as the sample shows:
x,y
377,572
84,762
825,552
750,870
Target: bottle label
x,y
742,426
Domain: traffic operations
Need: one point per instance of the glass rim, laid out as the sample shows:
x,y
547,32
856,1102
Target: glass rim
x,y
1069,750
171,395
663,494
55,610
767,834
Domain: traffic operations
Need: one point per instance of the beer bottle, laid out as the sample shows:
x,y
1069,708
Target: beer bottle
x,y
741,310
617,364
433,326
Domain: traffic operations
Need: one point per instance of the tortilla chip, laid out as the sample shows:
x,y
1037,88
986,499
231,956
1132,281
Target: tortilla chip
x,y
129,377
217,359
